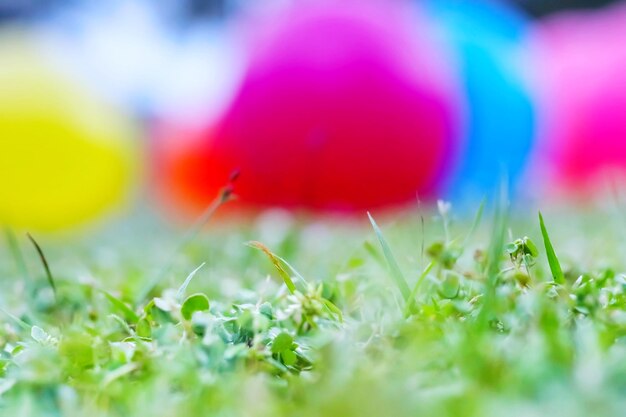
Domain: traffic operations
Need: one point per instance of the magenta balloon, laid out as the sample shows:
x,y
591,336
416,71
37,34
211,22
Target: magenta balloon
x,y
582,62
345,105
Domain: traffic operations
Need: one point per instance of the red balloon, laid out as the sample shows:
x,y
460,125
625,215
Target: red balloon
x,y
343,107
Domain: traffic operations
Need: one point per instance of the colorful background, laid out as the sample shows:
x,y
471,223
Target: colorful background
x,y
314,106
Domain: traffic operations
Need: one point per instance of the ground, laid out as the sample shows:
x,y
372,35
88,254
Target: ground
x,y
436,311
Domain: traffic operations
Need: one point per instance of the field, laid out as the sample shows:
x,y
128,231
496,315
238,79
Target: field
x,y
433,312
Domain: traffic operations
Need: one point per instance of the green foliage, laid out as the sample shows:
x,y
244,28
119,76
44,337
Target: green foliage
x,y
480,330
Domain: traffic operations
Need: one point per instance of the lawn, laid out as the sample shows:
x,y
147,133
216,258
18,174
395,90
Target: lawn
x,y
434,311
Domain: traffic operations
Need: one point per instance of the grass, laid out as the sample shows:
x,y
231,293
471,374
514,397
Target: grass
x,y
309,317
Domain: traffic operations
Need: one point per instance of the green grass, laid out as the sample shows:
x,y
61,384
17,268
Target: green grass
x,y
422,314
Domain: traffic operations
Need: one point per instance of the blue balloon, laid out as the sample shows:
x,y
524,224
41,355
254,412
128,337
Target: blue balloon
x,y
500,119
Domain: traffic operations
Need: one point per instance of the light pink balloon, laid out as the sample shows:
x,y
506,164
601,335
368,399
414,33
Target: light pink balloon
x,y
581,60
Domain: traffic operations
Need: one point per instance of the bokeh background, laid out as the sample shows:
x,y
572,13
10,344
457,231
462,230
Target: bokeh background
x,y
308,105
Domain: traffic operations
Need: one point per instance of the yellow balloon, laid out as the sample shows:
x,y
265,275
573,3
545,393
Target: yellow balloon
x,y
65,157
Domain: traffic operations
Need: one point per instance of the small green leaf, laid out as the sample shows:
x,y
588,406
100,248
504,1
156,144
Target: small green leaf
x,y
143,328
281,343
450,287
511,248
193,303
553,261
289,357
531,247
435,250
267,310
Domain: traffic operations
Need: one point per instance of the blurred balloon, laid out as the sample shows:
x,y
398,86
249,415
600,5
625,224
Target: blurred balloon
x,y
344,106
500,113
156,61
65,158
582,66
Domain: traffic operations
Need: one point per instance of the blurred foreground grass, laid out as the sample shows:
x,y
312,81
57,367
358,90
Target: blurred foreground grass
x,y
425,318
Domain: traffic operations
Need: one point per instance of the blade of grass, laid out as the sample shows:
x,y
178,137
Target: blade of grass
x,y
44,261
284,261
277,264
117,373
181,291
225,195
17,320
475,223
553,261
295,272
333,309
396,273
496,248
422,277
128,313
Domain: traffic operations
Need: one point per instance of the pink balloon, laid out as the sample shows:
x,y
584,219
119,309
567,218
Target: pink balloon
x,y
345,106
582,62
